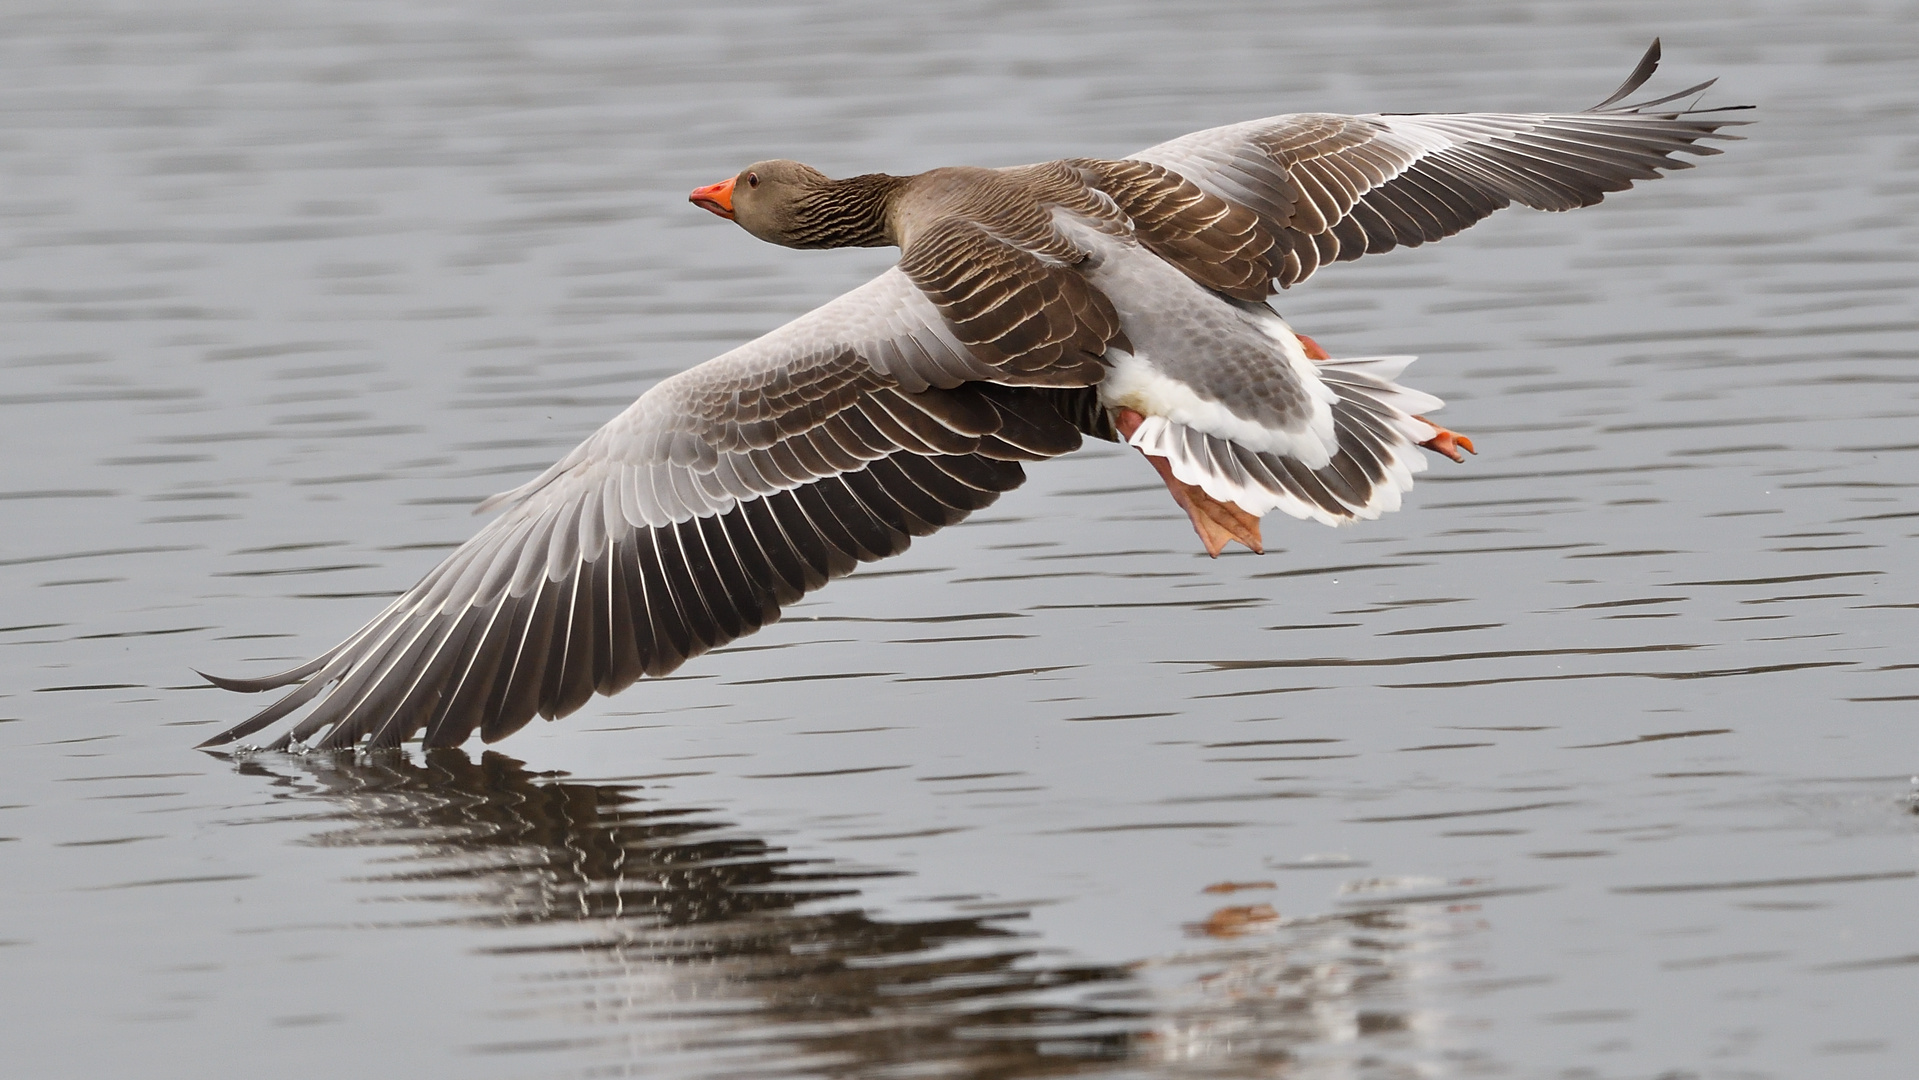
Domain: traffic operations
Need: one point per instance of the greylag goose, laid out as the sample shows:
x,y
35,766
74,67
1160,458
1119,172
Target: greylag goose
x,y
1031,306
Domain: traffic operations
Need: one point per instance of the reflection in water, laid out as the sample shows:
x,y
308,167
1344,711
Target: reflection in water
x,y
701,940
1325,996
712,939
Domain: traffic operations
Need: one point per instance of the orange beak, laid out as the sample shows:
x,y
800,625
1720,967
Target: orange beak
x,y
715,197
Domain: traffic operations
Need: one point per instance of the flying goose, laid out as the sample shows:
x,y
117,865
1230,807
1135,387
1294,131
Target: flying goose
x,y
1031,306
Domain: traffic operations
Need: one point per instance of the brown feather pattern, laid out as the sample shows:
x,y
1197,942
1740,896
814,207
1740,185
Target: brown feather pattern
x,y
983,247
1035,323
1218,244
1332,188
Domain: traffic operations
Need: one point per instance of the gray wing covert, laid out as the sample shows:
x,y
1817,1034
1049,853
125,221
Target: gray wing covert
x,y
689,520
1332,188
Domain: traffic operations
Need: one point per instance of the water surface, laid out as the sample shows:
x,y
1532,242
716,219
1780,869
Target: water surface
x,y
1595,761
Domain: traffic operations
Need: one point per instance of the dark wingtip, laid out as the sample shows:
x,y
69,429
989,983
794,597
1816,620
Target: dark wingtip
x,y
270,682
242,686
1648,64
272,713
1687,92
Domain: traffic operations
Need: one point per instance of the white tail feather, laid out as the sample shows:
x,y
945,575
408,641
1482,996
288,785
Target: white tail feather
x,y
1378,433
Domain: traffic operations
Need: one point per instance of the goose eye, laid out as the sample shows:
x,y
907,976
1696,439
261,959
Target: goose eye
x,y
752,179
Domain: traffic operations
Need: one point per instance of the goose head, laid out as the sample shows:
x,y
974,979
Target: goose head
x,y
795,205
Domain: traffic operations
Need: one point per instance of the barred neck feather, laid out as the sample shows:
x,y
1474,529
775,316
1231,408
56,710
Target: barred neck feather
x,y
844,213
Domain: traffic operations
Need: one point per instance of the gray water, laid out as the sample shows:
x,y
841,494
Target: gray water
x,y
1594,761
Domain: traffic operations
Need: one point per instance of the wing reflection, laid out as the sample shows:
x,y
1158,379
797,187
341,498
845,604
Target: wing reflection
x,y
708,941
700,942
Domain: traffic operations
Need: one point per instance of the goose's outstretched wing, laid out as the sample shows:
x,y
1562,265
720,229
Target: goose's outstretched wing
x,y
1331,188
720,495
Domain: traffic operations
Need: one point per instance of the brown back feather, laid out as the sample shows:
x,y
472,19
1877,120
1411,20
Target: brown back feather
x,y
1216,243
982,246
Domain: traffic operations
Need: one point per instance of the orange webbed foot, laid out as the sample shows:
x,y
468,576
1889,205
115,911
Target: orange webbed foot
x,y
1449,443
1217,523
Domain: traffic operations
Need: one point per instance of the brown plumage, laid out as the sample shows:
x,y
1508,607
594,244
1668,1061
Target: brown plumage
x,y
1221,245
1031,306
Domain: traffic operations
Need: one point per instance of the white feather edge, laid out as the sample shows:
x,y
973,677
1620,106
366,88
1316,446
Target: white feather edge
x,y
1166,436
